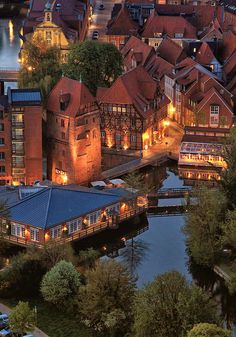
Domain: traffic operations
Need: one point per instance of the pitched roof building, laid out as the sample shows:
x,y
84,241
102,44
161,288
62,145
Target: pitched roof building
x,y
73,133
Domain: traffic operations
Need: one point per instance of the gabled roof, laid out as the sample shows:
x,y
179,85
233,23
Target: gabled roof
x,y
158,67
229,45
213,31
204,55
74,91
208,95
168,25
171,51
136,49
136,87
55,205
122,24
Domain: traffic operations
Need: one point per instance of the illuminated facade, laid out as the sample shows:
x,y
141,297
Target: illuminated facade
x,y
132,111
74,145
20,137
58,24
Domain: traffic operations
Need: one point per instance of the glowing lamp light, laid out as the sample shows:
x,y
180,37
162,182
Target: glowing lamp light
x,y
46,237
166,123
30,68
104,248
145,147
65,179
125,147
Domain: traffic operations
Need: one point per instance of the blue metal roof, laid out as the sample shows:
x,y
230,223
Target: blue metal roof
x,y
26,96
55,205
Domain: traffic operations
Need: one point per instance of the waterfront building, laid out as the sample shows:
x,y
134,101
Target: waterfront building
x,y
58,24
67,213
132,111
20,136
73,134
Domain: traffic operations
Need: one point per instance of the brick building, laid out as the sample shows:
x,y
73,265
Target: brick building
x,y
20,136
74,153
132,111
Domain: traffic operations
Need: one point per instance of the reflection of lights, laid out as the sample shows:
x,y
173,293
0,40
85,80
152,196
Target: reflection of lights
x,y
11,31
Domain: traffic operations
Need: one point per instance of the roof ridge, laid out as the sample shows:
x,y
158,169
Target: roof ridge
x,y
49,200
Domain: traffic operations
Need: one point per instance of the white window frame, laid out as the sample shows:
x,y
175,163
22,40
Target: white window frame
x,y
214,115
74,225
55,232
34,234
17,230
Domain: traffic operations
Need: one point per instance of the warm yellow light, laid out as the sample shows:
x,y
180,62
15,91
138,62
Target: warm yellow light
x,y
15,183
145,147
30,68
46,237
125,147
145,136
64,178
166,123
11,31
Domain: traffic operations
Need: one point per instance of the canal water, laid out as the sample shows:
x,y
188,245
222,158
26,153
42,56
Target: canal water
x,y
154,244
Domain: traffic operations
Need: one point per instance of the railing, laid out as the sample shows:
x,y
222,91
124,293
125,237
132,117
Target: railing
x,y
84,232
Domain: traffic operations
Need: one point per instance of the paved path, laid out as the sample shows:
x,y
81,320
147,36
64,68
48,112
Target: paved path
x,y
37,333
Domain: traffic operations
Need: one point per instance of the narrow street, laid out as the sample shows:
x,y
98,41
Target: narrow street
x,y
100,18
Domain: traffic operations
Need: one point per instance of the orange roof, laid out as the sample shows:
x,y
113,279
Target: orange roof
x,y
158,67
171,51
76,93
204,55
168,25
136,49
230,64
136,87
122,24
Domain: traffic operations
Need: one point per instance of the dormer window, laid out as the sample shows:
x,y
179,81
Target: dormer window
x,y
179,35
62,106
158,34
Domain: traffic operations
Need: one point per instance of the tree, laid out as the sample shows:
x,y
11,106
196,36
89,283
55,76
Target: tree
x,y
137,181
88,258
168,306
203,225
229,230
228,175
22,319
106,299
40,67
60,285
208,330
96,64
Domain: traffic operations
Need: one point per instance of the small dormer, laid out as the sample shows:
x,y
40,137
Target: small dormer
x,y
48,12
64,100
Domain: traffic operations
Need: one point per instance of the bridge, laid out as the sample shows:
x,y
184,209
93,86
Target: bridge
x,y
9,74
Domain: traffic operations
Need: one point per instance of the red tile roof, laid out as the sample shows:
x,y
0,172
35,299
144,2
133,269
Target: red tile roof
x,y
230,65
122,24
77,93
204,55
168,25
136,87
157,67
136,49
229,45
171,51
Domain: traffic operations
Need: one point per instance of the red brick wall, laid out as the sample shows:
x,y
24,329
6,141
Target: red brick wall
x,y
33,143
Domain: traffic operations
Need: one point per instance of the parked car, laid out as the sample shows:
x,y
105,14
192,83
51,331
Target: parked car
x,y
95,35
101,7
3,321
5,333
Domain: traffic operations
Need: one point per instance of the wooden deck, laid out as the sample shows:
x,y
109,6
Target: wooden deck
x,y
84,233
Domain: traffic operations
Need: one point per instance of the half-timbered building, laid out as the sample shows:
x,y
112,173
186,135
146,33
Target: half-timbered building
x,y
131,111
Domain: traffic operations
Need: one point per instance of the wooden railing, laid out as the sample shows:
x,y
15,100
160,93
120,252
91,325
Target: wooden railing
x,y
110,223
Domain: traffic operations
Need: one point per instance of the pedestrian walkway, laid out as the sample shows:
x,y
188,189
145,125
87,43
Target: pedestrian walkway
x,y
37,332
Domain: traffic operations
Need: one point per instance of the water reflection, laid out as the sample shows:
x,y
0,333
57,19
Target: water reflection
x,y
9,42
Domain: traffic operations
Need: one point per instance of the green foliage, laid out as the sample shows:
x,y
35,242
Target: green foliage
x,y
22,318
229,230
203,225
169,306
60,285
96,64
106,299
228,176
133,254
88,258
40,68
208,330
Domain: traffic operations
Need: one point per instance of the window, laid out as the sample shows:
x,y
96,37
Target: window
x,y
94,217
1,127
133,122
1,114
74,226
62,123
2,142
118,137
179,35
63,135
34,234
2,169
133,139
214,115
49,37
55,232
17,230
2,155
103,134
